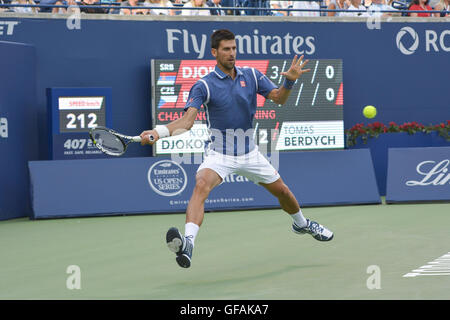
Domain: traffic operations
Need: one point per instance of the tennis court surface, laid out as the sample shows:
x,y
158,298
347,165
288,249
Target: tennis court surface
x,y
379,252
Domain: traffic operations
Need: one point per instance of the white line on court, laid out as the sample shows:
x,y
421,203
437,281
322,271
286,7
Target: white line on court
x,y
437,267
410,275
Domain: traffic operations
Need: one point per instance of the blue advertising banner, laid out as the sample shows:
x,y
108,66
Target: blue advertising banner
x,y
380,146
330,177
418,174
129,185
18,126
67,188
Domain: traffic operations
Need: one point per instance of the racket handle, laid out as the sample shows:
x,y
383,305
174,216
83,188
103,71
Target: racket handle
x,y
139,139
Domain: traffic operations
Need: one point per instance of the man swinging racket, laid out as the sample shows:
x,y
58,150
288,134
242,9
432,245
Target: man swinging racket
x,y
229,96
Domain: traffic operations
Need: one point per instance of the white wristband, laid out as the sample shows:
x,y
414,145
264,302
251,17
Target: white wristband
x,y
163,131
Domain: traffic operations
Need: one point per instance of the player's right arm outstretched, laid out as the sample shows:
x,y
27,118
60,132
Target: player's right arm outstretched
x,y
173,128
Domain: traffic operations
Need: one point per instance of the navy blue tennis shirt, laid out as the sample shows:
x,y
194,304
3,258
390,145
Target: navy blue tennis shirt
x,y
230,106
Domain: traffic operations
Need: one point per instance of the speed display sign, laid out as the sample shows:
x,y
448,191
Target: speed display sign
x,y
72,113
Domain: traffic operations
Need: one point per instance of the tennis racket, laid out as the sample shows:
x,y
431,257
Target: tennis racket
x,y
112,142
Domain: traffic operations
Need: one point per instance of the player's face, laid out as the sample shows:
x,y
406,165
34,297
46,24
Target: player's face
x,y
225,54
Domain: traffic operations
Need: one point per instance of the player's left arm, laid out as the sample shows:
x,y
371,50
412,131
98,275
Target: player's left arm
x,y
280,95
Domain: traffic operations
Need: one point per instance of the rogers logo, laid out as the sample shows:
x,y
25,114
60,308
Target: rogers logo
x,y
433,173
408,32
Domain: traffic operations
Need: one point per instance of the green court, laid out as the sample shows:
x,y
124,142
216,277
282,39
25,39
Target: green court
x,y
238,255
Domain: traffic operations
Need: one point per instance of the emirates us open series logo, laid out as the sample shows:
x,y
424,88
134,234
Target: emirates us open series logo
x,y
167,178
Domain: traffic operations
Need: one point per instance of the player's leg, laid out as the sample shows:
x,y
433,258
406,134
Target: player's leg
x,y
258,169
285,197
209,175
290,204
287,200
205,180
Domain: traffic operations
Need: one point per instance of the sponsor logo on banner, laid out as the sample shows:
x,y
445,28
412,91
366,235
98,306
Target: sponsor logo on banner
x,y
232,178
431,173
311,135
408,40
167,178
183,40
7,27
412,34
3,128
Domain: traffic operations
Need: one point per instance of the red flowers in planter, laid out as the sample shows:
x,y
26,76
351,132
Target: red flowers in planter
x,y
373,130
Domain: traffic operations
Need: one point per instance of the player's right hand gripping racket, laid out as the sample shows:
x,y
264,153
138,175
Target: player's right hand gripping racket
x,y
112,142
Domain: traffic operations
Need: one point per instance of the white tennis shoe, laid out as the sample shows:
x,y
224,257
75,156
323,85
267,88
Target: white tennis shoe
x,y
317,231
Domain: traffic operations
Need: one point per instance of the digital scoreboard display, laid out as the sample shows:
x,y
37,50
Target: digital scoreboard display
x,y
72,113
311,119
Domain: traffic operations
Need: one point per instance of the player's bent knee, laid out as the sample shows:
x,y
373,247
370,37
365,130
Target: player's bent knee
x,y
283,191
202,186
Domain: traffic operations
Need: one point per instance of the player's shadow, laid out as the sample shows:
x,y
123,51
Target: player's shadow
x,y
264,275
239,279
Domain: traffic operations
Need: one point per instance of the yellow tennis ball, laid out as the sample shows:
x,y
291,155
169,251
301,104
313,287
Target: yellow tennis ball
x,y
369,112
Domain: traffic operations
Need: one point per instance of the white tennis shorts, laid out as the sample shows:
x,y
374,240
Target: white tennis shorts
x,y
252,165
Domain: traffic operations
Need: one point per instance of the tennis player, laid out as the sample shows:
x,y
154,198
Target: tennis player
x,y
229,96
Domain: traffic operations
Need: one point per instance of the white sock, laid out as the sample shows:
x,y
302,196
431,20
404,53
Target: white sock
x,y
299,219
191,230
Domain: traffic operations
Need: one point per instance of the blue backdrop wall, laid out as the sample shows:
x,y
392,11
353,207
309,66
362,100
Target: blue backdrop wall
x,y
401,68
18,126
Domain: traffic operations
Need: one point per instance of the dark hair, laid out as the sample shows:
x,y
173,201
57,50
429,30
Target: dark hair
x,y
219,35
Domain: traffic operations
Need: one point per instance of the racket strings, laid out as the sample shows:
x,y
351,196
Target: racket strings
x,y
108,142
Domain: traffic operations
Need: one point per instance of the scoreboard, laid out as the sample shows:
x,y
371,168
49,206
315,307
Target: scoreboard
x,y
311,119
72,113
